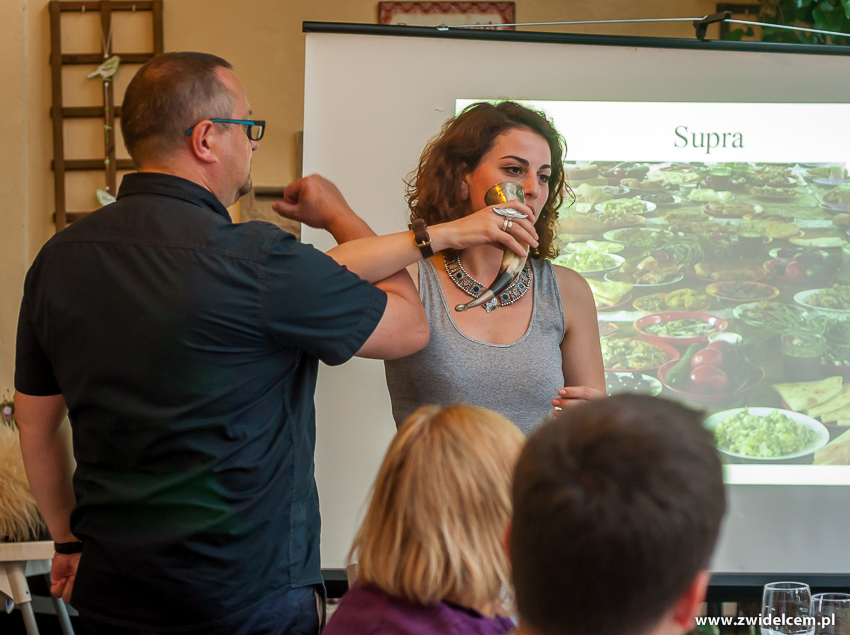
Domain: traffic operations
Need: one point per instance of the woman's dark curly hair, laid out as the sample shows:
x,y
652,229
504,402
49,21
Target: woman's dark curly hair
x,y
434,188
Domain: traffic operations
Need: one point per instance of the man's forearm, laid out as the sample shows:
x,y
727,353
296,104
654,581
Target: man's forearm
x,y
49,464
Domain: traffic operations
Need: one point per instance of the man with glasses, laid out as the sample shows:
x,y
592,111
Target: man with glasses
x,y
185,350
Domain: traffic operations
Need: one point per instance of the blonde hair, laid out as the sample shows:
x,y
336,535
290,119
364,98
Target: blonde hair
x,y
440,505
19,516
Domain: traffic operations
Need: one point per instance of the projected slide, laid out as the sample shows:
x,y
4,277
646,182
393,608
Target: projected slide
x,y
716,246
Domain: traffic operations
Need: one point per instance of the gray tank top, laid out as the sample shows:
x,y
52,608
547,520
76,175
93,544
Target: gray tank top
x,y
516,380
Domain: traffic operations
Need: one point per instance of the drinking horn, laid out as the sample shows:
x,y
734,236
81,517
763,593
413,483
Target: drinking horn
x,y
512,265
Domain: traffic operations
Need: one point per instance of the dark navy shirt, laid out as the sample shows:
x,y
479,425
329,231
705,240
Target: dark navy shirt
x,y
187,349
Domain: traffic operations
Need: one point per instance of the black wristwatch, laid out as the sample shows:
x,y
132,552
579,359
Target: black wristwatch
x,y
421,237
68,547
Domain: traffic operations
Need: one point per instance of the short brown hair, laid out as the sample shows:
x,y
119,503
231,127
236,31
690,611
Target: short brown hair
x,y
439,509
167,96
434,188
617,508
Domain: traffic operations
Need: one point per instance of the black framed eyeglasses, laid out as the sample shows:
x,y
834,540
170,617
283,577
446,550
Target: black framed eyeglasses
x,y
253,128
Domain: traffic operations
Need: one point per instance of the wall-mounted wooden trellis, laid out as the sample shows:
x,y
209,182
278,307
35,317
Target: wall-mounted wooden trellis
x,y
108,112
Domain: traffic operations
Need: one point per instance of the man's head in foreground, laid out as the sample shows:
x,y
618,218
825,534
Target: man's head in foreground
x,y
165,121
617,508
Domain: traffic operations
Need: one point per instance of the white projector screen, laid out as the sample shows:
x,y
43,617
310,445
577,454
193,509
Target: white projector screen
x,y
373,101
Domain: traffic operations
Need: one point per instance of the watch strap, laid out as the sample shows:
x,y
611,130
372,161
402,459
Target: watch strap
x,y
421,237
68,547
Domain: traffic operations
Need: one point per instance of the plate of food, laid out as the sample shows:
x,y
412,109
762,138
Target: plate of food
x,y
630,354
771,228
827,399
601,246
816,171
777,181
741,291
679,328
774,194
638,236
588,262
678,300
766,434
673,177
591,194
686,215
829,182
636,185
775,175
613,219
773,315
837,451
616,191
835,208
646,279
706,384
834,300
716,271
793,252
706,195
818,242
805,269
625,205
635,382
605,305
660,199
700,228
609,295
838,199
733,209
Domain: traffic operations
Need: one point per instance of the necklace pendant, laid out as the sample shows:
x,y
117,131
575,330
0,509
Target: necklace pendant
x,y
469,285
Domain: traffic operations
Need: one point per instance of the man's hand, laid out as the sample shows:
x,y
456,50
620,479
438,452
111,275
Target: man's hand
x,y
314,201
574,395
63,572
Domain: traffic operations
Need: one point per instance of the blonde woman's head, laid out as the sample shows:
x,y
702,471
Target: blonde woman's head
x,y
439,509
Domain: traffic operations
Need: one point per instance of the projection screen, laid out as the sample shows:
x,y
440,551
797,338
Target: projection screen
x,y
760,124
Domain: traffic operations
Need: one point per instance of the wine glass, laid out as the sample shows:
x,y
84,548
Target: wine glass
x,y
787,609
832,613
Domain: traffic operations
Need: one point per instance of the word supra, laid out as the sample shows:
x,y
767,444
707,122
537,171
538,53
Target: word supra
x,y
707,140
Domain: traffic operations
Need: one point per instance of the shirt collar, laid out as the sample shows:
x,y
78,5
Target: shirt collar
x,y
174,186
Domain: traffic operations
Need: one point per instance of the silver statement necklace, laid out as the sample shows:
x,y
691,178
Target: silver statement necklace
x,y
471,286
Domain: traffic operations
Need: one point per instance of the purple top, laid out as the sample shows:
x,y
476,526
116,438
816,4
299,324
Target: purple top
x,y
367,610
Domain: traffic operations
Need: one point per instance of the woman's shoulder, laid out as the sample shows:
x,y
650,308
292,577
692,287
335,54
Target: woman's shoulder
x,y
570,282
566,276
360,610
369,610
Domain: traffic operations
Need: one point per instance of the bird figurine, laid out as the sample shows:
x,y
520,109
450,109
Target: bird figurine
x,y
104,197
106,70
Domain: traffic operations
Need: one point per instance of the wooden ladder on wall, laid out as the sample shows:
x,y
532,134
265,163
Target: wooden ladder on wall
x,y
108,112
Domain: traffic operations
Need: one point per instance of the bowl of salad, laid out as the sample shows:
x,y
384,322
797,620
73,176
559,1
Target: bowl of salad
x,y
766,434
631,354
589,262
679,328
